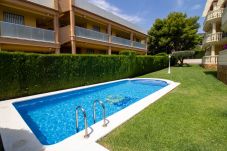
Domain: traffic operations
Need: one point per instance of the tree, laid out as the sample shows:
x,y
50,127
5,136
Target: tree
x,y
181,55
177,32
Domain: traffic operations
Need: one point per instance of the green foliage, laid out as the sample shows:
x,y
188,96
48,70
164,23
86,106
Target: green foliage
x,y
127,53
162,54
26,74
175,33
181,55
199,54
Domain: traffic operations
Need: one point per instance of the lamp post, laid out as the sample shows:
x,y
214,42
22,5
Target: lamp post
x,y
169,71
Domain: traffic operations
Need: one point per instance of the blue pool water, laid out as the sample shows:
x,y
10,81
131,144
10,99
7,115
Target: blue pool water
x,y
52,118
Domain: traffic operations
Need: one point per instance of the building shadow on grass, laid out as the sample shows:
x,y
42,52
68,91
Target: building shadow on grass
x,y
19,140
211,73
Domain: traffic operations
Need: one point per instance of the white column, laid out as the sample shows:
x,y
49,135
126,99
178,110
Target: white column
x,y
212,50
214,28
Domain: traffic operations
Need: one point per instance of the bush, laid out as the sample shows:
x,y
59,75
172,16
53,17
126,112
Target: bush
x,y
181,55
199,54
27,74
128,53
162,54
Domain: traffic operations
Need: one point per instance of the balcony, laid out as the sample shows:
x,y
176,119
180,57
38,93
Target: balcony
x,y
121,41
99,36
9,30
216,37
214,15
207,60
139,45
91,34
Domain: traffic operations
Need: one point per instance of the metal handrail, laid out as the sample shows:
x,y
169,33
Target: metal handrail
x,y
104,112
85,121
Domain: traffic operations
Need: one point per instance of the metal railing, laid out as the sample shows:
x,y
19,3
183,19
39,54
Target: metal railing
x,y
210,59
104,112
85,121
99,36
138,44
214,14
11,30
91,34
121,41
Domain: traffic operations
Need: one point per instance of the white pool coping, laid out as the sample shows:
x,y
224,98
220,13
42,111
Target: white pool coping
x,y
17,136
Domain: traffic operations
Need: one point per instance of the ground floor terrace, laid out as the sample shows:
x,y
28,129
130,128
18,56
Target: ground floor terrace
x,y
191,117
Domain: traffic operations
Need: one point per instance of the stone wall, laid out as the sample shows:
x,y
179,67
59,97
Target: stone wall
x,y
222,66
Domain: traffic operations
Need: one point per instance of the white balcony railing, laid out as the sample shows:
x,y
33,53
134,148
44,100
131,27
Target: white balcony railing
x,y
213,37
210,59
214,14
121,41
138,44
91,34
17,31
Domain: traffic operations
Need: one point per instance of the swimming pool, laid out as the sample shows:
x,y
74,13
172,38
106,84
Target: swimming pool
x,y
52,118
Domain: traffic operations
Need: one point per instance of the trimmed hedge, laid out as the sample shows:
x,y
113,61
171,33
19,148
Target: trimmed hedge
x,y
24,74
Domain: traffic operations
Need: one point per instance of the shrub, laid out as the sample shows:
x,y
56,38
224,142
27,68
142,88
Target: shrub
x,y
199,54
162,54
27,74
127,53
181,55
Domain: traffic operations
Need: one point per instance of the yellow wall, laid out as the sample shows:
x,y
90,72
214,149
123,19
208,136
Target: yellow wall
x,y
29,19
102,28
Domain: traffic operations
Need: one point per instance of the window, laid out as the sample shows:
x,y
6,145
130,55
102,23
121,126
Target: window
x,y
13,18
96,28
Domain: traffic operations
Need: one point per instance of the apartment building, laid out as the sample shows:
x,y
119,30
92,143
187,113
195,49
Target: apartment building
x,y
215,38
222,58
29,25
66,26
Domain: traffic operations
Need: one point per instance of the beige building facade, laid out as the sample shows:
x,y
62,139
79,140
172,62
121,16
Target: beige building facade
x,y
215,38
66,26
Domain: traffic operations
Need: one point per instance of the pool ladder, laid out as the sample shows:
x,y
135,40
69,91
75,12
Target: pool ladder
x,y
103,113
94,116
85,120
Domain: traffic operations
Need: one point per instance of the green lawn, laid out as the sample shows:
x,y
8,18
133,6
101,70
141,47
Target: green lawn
x,y
193,117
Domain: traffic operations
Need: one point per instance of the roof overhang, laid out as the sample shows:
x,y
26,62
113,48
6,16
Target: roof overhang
x,y
85,5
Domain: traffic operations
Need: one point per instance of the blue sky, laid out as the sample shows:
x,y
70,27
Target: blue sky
x,y
144,12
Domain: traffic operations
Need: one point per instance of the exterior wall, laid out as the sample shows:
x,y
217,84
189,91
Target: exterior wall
x,y
222,66
29,20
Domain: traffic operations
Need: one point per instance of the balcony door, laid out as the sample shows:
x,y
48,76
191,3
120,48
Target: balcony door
x,y
13,18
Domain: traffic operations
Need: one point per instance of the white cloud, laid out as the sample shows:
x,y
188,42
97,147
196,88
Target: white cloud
x,y
115,10
197,6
